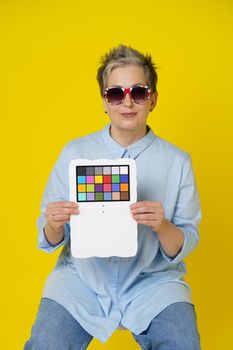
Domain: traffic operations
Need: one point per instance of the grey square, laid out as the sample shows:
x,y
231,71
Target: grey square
x,y
90,170
107,170
98,170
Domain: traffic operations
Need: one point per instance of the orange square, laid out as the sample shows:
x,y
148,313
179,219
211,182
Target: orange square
x,y
124,187
81,188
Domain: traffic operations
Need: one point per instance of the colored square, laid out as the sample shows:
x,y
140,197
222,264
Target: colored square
x,y
115,196
124,178
90,170
90,196
82,196
98,188
99,179
115,187
115,170
107,170
99,196
90,188
98,170
81,179
124,187
107,179
81,170
107,187
107,196
124,196
115,179
124,170
90,179
81,188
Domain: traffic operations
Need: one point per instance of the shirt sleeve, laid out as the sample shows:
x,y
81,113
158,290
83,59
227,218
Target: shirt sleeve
x,y
57,189
187,213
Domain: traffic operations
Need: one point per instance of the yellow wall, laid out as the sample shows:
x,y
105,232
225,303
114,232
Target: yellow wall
x,y
49,53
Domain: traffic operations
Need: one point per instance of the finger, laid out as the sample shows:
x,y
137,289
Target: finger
x,y
139,204
144,209
63,204
144,217
147,205
58,218
62,211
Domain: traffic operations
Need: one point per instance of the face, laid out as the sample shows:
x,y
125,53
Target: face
x,y
129,116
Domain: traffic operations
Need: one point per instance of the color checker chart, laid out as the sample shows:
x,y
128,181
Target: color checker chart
x,y
103,183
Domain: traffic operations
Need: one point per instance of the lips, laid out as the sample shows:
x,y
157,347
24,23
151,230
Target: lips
x,y
131,114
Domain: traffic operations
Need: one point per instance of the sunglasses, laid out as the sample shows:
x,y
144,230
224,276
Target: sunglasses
x,y
116,95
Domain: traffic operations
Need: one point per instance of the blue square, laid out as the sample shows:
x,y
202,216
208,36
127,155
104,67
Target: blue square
x,y
81,179
107,196
115,188
124,178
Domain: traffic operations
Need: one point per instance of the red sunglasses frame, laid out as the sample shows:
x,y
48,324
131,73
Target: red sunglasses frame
x,y
127,91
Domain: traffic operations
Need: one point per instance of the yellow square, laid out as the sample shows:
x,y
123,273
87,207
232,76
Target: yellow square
x,y
98,179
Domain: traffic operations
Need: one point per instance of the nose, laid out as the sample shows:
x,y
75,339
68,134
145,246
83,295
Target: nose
x,y
128,100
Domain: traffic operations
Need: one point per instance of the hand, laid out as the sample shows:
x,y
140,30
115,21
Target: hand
x,y
58,213
149,214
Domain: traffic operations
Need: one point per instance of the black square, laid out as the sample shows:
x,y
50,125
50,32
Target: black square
x,y
81,171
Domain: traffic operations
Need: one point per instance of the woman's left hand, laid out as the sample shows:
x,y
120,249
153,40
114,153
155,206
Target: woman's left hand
x,y
150,214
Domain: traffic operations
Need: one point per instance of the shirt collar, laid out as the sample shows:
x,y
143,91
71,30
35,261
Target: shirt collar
x,y
133,150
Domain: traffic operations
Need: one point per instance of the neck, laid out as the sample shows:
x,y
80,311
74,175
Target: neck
x,y
126,137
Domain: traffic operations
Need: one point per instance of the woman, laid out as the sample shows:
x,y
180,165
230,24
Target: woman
x,y
146,293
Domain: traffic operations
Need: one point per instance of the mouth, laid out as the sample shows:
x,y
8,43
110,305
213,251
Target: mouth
x,y
129,114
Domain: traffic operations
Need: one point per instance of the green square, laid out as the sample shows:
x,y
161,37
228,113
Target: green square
x,y
99,196
90,188
115,179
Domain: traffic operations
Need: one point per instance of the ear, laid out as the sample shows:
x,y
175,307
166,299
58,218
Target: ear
x,y
153,100
105,105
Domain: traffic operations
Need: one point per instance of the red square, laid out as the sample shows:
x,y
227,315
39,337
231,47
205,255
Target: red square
x,y
107,179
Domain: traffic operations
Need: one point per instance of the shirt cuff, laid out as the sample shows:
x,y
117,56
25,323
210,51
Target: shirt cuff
x,y
190,242
44,244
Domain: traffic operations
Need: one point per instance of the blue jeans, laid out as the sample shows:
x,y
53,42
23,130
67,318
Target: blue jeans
x,y
175,328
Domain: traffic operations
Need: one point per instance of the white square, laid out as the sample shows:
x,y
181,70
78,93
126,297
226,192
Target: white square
x,y
124,170
115,170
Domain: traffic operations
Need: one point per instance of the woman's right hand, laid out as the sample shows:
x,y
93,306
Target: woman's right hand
x,y
57,214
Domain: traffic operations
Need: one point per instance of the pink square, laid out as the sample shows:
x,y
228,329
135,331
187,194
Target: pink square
x,y
107,187
90,179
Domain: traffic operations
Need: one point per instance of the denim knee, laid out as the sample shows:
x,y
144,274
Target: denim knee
x,y
56,329
174,328
45,341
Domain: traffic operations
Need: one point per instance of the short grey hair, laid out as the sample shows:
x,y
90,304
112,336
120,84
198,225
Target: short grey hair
x,y
125,55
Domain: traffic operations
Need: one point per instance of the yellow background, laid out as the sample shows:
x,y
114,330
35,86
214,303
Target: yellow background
x,y
49,52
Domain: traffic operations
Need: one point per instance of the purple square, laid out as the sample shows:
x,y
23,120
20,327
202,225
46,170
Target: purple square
x,y
90,196
98,188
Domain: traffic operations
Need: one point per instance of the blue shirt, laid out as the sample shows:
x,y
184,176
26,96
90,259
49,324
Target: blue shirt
x,y
103,293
